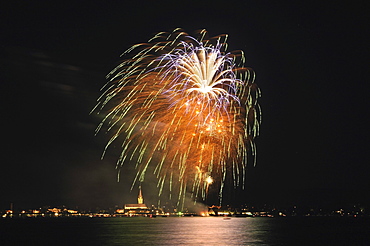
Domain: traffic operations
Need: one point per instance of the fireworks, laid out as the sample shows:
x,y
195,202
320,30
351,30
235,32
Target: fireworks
x,y
184,109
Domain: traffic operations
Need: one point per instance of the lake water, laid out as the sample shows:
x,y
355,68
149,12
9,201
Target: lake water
x,y
186,231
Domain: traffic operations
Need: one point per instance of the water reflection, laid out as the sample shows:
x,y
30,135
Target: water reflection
x,y
187,231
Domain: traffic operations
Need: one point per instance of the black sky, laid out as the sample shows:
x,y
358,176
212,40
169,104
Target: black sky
x,y
310,57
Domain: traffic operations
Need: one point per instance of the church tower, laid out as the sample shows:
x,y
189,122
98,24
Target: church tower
x,y
140,199
138,209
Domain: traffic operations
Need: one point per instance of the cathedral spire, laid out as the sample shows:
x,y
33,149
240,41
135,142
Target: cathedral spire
x,y
140,199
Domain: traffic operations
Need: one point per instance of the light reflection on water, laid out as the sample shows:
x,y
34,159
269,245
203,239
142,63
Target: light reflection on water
x,y
186,231
237,231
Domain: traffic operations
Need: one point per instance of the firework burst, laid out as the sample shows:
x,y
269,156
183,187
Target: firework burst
x,y
184,109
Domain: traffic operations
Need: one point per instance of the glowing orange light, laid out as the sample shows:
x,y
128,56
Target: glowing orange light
x,y
209,180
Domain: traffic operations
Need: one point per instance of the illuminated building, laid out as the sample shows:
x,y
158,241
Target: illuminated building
x,y
138,209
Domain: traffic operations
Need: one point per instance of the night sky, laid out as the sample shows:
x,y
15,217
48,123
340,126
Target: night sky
x,y
312,64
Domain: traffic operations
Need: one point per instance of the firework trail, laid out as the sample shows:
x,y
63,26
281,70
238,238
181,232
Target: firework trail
x,y
184,109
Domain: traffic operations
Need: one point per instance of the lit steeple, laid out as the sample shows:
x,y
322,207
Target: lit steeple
x,y
140,199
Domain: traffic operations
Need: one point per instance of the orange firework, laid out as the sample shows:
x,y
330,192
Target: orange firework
x,y
184,109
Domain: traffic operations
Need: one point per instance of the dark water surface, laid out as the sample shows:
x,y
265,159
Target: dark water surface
x,y
186,231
